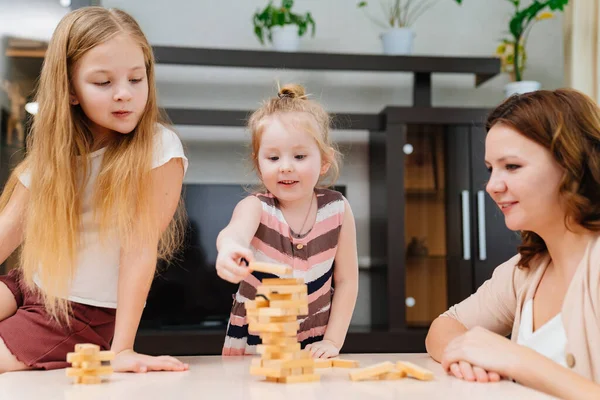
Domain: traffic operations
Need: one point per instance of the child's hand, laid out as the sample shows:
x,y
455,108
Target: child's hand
x,y
323,349
229,263
130,361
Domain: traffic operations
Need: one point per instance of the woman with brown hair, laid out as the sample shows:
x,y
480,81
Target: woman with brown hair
x,y
543,154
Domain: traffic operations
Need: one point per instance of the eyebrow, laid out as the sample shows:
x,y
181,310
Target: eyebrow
x,y
104,71
503,158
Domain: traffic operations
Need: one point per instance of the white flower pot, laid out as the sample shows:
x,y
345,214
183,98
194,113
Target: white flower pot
x,y
398,41
521,87
285,38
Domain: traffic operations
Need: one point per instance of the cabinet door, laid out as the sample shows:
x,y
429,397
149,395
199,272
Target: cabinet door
x,y
494,242
459,214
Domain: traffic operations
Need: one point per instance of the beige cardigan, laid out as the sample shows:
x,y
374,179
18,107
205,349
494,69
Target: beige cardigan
x,y
498,303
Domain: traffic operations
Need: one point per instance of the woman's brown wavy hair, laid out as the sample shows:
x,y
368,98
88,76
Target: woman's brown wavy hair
x,y
567,123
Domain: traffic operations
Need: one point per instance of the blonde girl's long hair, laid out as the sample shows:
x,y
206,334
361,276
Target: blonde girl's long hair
x,y
59,140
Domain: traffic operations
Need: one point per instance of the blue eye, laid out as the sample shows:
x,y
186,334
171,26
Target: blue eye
x,y
300,157
135,80
274,158
512,167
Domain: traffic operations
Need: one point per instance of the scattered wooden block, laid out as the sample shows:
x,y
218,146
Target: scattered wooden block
x,y
299,378
323,363
340,363
414,370
371,371
87,365
269,268
392,375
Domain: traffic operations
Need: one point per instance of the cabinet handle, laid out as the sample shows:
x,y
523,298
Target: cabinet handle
x,y
481,225
466,222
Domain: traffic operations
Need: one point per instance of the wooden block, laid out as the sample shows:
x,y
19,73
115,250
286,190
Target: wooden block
x,y
89,380
278,356
256,362
275,327
308,370
323,363
288,304
279,341
259,302
276,319
266,349
341,363
271,379
281,289
272,372
270,268
371,371
392,375
279,312
299,378
280,281
299,363
100,356
72,372
87,348
414,370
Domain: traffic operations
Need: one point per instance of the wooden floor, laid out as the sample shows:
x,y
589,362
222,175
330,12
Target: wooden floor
x,y
214,377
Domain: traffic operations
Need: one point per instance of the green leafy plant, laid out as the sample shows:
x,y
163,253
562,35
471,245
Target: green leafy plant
x,y
271,16
513,56
400,13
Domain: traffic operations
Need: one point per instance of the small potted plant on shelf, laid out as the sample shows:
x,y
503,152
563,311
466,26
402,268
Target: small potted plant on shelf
x,y
400,15
282,27
512,50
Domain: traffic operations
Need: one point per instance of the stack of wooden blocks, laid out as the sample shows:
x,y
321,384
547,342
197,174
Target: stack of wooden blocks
x,y
87,365
273,315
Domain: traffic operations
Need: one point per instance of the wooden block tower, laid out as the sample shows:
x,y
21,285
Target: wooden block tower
x,y
87,365
274,316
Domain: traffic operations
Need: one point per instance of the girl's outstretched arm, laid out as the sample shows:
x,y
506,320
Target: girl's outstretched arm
x,y
12,221
233,242
136,272
345,278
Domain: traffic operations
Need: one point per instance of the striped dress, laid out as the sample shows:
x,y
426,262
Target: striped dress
x,y
311,258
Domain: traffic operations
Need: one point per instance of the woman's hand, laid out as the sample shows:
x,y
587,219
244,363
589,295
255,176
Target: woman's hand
x,y
323,349
478,351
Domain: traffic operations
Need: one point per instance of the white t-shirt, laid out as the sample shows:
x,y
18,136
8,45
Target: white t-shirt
x,y
549,340
96,278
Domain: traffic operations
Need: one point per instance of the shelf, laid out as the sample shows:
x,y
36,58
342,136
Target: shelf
x,y
390,116
484,68
233,118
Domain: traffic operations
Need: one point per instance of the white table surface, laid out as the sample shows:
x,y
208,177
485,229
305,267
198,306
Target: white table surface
x,y
215,377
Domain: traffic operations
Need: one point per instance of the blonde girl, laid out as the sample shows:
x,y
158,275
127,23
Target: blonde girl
x,y
296,221
93,204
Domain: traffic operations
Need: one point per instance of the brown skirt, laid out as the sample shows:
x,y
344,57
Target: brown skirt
x,y
40,342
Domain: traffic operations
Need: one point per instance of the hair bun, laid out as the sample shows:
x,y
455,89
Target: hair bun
x,y
293,91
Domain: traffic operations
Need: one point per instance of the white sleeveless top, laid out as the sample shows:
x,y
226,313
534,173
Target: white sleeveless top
x,y
549,340
95,281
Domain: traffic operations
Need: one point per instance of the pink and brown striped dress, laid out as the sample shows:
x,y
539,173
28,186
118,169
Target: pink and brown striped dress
x,y
311,258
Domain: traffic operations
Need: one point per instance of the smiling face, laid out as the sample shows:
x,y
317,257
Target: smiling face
x,y
289,159
109,82
524,180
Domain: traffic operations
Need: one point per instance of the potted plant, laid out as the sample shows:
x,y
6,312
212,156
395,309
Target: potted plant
x,y
400,15
512,51
282,27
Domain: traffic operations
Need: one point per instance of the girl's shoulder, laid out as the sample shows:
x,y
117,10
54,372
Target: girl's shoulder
x,y
331,199
167,146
